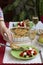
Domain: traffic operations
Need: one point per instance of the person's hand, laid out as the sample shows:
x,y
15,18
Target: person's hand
x,y
7,34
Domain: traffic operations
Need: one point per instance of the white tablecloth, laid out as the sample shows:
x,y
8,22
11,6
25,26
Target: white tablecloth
x,y
9,59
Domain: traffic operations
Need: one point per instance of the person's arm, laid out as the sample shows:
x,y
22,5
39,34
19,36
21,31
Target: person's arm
x,y
4,30
2,24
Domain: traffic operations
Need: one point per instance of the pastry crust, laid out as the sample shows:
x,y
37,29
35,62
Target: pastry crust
x,y
19,32
13,46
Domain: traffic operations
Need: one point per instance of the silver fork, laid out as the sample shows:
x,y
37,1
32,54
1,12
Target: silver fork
x,y
4,45
40,52
20,48
41,56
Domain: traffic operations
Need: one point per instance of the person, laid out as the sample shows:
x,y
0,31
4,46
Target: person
x,y
4,31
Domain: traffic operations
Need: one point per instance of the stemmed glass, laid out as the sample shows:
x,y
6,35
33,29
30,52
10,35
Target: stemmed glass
x,y
32,35
35,20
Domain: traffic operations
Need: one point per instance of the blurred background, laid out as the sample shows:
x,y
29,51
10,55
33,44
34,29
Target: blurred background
x,y
17,10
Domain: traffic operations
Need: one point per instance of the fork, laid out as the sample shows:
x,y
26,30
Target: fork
x,y
41,56
13,46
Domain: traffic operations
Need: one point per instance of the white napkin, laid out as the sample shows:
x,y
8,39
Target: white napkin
x,y
8,58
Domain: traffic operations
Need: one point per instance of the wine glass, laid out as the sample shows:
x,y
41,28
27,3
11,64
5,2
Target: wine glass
x,y
35,20
32,34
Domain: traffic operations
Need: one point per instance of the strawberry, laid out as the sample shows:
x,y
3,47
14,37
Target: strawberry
x,y
21,54
28,52
19,24
22,23
34,53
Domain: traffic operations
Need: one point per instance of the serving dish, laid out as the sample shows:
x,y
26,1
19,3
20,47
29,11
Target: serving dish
x,y
20,33
16,54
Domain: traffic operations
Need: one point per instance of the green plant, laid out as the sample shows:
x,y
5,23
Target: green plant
x,y
21,9
41,7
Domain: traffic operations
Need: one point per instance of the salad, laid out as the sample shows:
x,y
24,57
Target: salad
x,y
28,53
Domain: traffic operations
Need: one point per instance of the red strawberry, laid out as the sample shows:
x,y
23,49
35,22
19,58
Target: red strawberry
x,y
28,52
34,53
19,24
21,54
22,23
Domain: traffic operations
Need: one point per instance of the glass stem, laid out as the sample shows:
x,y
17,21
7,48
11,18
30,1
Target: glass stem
x,y
31,41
